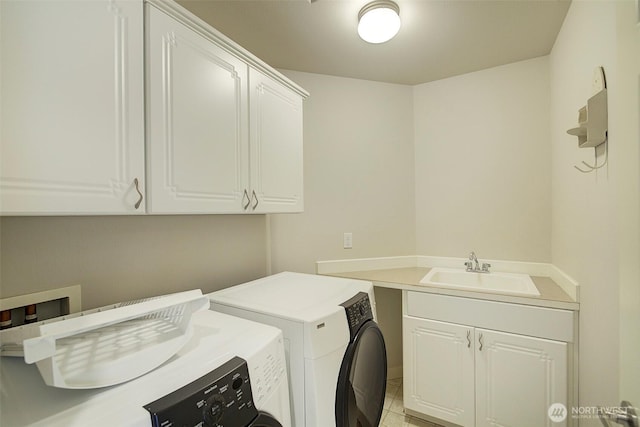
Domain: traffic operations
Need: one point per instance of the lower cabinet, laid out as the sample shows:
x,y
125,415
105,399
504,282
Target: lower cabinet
x,y
439,371
469,375
518,378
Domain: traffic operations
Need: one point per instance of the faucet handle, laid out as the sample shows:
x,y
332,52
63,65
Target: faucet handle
x,y
485,266
469,265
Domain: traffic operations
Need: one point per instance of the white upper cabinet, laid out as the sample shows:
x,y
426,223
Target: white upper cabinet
x,y
125,107
223,136
72,121
198,136
276,146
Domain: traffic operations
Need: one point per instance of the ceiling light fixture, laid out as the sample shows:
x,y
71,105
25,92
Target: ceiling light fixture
x,y
379,21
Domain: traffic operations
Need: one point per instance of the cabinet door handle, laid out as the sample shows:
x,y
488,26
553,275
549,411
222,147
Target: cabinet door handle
x,y
628,418
246,194
254,196
136,183
480,341
469,339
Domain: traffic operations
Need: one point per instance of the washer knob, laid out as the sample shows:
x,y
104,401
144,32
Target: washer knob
x,y
213,410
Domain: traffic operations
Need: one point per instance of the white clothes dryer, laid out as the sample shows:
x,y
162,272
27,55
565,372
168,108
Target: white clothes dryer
x,y
335,351
232,372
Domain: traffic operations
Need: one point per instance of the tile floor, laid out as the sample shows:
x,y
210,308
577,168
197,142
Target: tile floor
x,y
393,411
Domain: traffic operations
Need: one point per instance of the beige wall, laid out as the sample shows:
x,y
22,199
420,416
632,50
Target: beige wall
x,y
358,171
584,224
482,161
125,257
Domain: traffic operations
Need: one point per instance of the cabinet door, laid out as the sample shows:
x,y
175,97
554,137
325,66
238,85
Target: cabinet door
x,y
518,378
197,157
276,146
439,369
72,133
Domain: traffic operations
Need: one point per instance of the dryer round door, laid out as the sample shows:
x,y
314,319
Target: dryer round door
x,y
265,420
362,380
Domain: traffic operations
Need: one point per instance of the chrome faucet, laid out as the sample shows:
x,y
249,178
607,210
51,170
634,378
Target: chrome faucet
x,y
473,265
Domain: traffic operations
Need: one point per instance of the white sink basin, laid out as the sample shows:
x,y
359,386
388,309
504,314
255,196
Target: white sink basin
x,y
512,283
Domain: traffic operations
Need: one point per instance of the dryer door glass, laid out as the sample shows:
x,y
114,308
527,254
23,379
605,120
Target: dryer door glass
x,y
362,379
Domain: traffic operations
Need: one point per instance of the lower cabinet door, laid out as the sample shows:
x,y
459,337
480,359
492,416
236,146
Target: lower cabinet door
x,y
439,370
518,378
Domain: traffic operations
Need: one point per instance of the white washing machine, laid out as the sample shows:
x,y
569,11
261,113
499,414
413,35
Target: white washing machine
x,y
231,372
335,351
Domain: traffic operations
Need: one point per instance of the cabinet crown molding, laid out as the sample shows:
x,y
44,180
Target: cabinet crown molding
x,y
190,20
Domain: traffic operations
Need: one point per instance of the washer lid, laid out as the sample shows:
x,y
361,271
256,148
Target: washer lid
x,y
109,345
294,296
217,337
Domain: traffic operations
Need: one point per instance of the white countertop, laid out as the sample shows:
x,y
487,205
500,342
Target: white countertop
x,y
408,278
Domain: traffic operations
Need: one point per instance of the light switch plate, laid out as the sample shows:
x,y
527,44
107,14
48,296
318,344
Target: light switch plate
x,y
347,241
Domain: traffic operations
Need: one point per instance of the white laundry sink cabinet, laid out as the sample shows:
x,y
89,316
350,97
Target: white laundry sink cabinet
x,y
484,363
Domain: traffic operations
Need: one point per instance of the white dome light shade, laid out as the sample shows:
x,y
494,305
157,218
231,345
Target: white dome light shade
x,y
379,21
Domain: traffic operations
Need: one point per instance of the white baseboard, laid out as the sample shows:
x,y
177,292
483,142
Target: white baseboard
x,y
394,372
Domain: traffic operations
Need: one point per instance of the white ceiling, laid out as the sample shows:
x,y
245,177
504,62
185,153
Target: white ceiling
x,y
438,38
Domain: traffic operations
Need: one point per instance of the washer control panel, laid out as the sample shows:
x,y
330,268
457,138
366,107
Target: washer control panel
x,y
221,398
358,309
